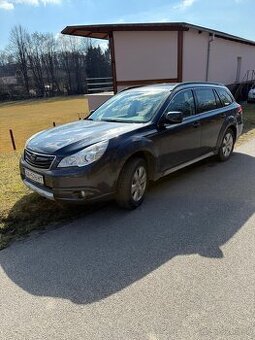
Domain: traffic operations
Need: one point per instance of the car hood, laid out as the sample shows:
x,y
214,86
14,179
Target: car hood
x,y
77,135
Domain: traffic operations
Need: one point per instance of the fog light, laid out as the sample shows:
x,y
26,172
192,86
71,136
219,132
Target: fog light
x,y
83,194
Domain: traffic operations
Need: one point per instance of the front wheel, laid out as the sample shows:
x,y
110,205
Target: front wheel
x,y
132,184
227,145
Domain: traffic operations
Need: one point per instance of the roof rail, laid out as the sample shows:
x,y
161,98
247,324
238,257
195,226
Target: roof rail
x,y
177,85
198,83
130,87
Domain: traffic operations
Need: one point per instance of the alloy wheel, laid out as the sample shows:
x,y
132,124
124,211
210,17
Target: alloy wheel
x,y
227,145
139,183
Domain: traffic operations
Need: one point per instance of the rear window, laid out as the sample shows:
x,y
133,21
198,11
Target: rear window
x,y
225,97
206,100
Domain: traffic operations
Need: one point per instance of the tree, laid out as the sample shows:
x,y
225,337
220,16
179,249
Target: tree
x,y
34,54
98,62
51,65
18,40
50,62
72,60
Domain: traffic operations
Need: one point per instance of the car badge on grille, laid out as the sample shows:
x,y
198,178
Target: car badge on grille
x,y
32,157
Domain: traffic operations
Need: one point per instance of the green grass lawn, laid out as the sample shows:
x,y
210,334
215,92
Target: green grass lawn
x,y
249,123
249,117
22,211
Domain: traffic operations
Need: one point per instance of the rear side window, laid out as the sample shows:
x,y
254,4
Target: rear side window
x,y
225,97
184,102
205,100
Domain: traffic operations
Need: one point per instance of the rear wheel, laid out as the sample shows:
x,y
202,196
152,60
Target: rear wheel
x,y
132,184
227,145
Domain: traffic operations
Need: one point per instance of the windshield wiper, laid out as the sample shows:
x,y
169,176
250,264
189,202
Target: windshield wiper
x,y
111,120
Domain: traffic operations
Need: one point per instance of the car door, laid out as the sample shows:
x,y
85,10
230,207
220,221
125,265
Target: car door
x,y
180,143
211,116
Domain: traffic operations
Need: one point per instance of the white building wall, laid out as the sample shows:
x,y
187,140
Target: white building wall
x,y
223,58
94,100
145,55
194,55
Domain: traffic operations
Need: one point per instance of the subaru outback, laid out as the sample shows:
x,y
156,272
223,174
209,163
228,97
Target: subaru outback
x,y
137,136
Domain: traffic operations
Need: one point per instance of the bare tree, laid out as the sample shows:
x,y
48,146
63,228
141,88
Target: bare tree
x,y
50,62
18,44
65,64
6,58
35,52
79,63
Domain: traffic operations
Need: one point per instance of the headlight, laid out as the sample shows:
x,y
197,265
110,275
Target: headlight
x,y
85,156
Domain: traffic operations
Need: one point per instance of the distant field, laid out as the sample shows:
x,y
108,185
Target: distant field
x,y
28,117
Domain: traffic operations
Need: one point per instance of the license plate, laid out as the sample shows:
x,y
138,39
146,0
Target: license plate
x,y
33,176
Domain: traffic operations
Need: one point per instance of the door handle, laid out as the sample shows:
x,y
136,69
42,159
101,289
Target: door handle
x,y
196,124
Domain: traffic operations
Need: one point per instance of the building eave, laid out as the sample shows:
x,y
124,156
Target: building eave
x,y
103,31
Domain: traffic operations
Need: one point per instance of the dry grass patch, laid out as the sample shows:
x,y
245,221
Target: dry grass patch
x,y
21,210
28,117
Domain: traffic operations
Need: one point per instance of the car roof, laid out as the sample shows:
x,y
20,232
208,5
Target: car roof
x,y
174,86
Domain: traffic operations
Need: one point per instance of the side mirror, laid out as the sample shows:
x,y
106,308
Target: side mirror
x,y
173,117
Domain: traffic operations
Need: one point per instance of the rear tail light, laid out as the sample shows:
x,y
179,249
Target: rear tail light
x,y
239,114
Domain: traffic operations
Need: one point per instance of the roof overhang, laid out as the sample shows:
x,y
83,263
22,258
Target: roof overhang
x,y
105,30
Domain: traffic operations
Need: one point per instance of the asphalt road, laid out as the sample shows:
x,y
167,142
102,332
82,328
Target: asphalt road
x,y
182,266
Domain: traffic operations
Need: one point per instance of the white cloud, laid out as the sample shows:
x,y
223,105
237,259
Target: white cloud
x,y
6,5
10,4
37,2
184,4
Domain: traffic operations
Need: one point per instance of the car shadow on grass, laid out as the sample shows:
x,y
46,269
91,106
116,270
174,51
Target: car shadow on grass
x,y
196,211
35,213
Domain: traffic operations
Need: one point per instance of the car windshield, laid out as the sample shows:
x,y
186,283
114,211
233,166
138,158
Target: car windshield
x,y
131,106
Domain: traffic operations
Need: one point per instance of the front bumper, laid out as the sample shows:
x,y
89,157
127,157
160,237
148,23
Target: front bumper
x,y
40,190
73,185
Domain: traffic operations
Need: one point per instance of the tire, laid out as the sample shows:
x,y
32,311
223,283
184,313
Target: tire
x,y
132,184
227,145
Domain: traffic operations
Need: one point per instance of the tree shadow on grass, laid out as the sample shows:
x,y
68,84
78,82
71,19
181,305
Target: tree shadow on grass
x,y
193,212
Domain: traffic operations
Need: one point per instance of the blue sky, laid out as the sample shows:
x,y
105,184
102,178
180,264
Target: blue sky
x,y
231,16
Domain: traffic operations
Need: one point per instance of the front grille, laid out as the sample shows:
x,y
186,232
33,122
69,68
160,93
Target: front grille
x,y
38,160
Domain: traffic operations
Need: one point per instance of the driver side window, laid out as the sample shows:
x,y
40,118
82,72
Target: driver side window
x,y
184,102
